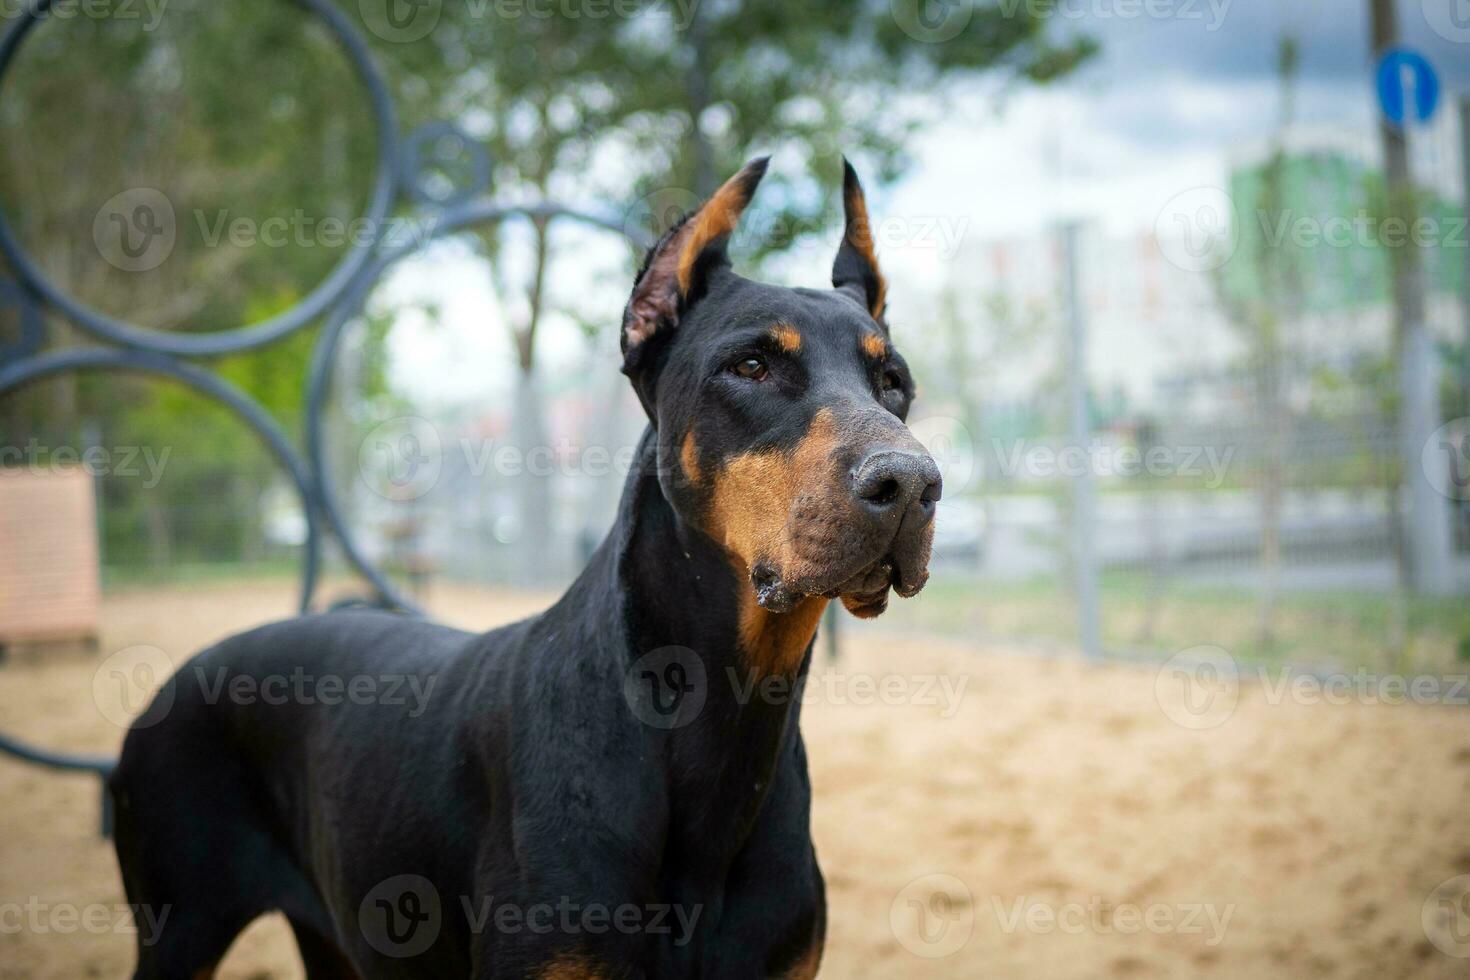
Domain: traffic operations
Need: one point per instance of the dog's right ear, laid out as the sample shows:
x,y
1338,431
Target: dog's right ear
x,y
676,270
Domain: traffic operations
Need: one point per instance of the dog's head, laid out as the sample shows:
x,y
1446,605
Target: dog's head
x,y
780,412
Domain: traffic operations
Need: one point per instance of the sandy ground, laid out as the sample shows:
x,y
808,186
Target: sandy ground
x,y
1033,818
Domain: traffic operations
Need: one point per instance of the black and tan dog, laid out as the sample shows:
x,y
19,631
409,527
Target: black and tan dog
x,y
609,789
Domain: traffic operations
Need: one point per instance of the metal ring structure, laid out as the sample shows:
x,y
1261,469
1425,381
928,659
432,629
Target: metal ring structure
x,y
324,354
335,301
53,363
241,338
206,383
13,295
419,150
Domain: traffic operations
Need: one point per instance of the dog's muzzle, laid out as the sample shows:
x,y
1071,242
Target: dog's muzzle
x,y
886,534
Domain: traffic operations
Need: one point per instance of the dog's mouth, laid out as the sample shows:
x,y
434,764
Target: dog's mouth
x,y
864,593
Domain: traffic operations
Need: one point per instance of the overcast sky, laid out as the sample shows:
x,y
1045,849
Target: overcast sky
x,y
1168,104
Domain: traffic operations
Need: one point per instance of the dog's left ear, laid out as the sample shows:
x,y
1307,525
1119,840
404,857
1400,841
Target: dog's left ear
x,y
676,270
856,268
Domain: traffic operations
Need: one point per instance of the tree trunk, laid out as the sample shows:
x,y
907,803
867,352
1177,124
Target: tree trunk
x,y
535,483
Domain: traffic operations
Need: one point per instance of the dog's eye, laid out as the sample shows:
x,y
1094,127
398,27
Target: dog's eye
x,y
891,381
752,368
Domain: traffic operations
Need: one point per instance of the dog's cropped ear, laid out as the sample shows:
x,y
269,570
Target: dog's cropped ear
x,y
856,268
676,270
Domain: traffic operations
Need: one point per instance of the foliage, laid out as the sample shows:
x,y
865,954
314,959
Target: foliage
x,y
237,110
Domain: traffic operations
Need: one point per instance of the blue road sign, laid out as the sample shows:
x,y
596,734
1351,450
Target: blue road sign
x,y
1395,65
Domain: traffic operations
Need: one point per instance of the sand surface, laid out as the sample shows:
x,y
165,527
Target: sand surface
x,y
978,813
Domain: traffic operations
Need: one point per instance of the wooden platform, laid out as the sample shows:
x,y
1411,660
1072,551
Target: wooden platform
x,y
49,588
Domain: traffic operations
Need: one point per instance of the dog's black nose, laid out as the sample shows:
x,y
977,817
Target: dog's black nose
x,y
891,481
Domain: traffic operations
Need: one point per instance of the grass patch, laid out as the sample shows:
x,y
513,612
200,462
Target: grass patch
x,y
1337,630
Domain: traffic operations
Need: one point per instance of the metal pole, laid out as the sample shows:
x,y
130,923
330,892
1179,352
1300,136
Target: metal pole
x,y
1084,504
1464,102
1426,518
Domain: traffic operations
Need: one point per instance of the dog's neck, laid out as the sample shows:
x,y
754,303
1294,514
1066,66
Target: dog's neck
x,y
679,588
682,588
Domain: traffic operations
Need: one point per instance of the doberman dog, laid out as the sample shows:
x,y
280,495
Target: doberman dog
x,y
616,788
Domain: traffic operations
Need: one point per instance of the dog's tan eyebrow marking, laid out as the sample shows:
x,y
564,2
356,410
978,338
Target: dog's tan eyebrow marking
x,y
689,458
875,346
787,337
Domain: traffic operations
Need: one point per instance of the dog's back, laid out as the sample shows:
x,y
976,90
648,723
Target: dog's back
x,y
247,779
